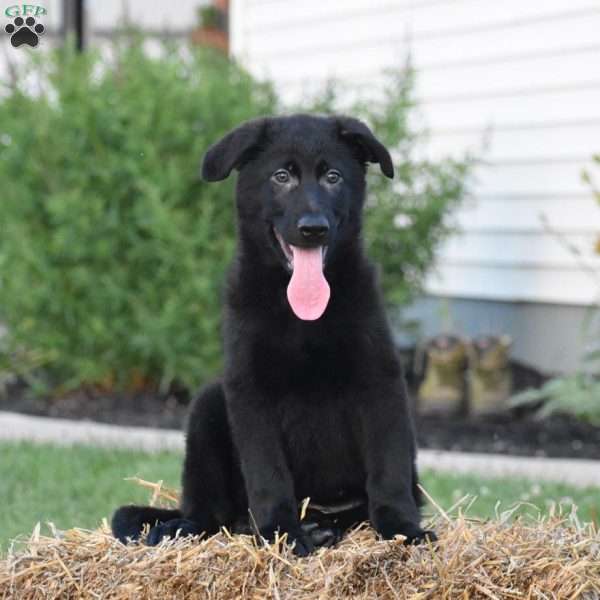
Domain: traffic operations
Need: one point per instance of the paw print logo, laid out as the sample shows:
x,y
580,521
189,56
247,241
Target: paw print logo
x,y
24,32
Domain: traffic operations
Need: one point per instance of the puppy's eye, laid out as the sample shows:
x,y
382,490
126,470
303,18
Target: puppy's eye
x,y
281,176
332,176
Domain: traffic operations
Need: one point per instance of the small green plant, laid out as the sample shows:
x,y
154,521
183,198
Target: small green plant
x,y
576,394
210,16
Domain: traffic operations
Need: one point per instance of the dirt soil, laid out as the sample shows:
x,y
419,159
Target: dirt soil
x,y
557,437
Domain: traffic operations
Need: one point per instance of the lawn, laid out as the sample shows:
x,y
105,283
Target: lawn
x,y
79,486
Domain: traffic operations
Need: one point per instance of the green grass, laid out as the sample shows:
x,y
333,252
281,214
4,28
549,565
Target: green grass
x,y
72,486
79,486
446,490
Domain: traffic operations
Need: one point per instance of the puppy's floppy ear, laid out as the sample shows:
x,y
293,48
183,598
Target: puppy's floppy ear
x,y
233,150
372,150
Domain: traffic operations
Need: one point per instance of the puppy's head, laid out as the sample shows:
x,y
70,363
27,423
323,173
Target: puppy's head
x,y
300,193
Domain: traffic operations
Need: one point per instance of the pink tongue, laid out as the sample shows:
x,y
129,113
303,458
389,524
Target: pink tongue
x,y
308,291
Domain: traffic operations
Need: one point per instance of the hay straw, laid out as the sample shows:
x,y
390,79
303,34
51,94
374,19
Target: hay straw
x,y
555,557
161,495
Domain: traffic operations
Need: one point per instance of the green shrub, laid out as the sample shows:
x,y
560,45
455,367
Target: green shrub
x,y
112,251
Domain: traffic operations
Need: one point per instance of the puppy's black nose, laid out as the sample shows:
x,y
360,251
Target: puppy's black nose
x,y
313,226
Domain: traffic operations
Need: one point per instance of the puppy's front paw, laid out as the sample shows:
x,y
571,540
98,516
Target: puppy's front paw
x,y
302,544
171,529
320,534
424,535
411,531
299,539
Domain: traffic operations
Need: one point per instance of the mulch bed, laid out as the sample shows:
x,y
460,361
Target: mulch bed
x,y
556,437
142,409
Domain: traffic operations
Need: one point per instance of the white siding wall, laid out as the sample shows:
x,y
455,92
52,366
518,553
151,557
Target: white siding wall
x,y
527,72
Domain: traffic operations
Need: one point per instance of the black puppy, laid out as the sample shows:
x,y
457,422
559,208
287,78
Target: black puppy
x,y
312,402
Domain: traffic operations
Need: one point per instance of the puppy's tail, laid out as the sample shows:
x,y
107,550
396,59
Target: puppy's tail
x,y
128,521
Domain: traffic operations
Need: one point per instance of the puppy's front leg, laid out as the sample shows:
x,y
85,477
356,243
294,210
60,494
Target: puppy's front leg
x,y
389,453
269,484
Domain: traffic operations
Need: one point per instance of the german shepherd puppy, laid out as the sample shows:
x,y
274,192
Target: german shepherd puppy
x,y
312,403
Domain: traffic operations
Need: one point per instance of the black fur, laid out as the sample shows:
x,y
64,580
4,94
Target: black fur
x,y
306,408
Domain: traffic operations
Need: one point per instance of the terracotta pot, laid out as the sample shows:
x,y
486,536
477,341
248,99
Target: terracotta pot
x,y
211,38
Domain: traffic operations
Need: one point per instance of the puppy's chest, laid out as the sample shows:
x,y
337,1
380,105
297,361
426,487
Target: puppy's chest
x,y
321,439
308,368
313,384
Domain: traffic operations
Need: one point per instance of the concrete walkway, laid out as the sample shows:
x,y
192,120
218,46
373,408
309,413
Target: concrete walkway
x,y
13,426
65,432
